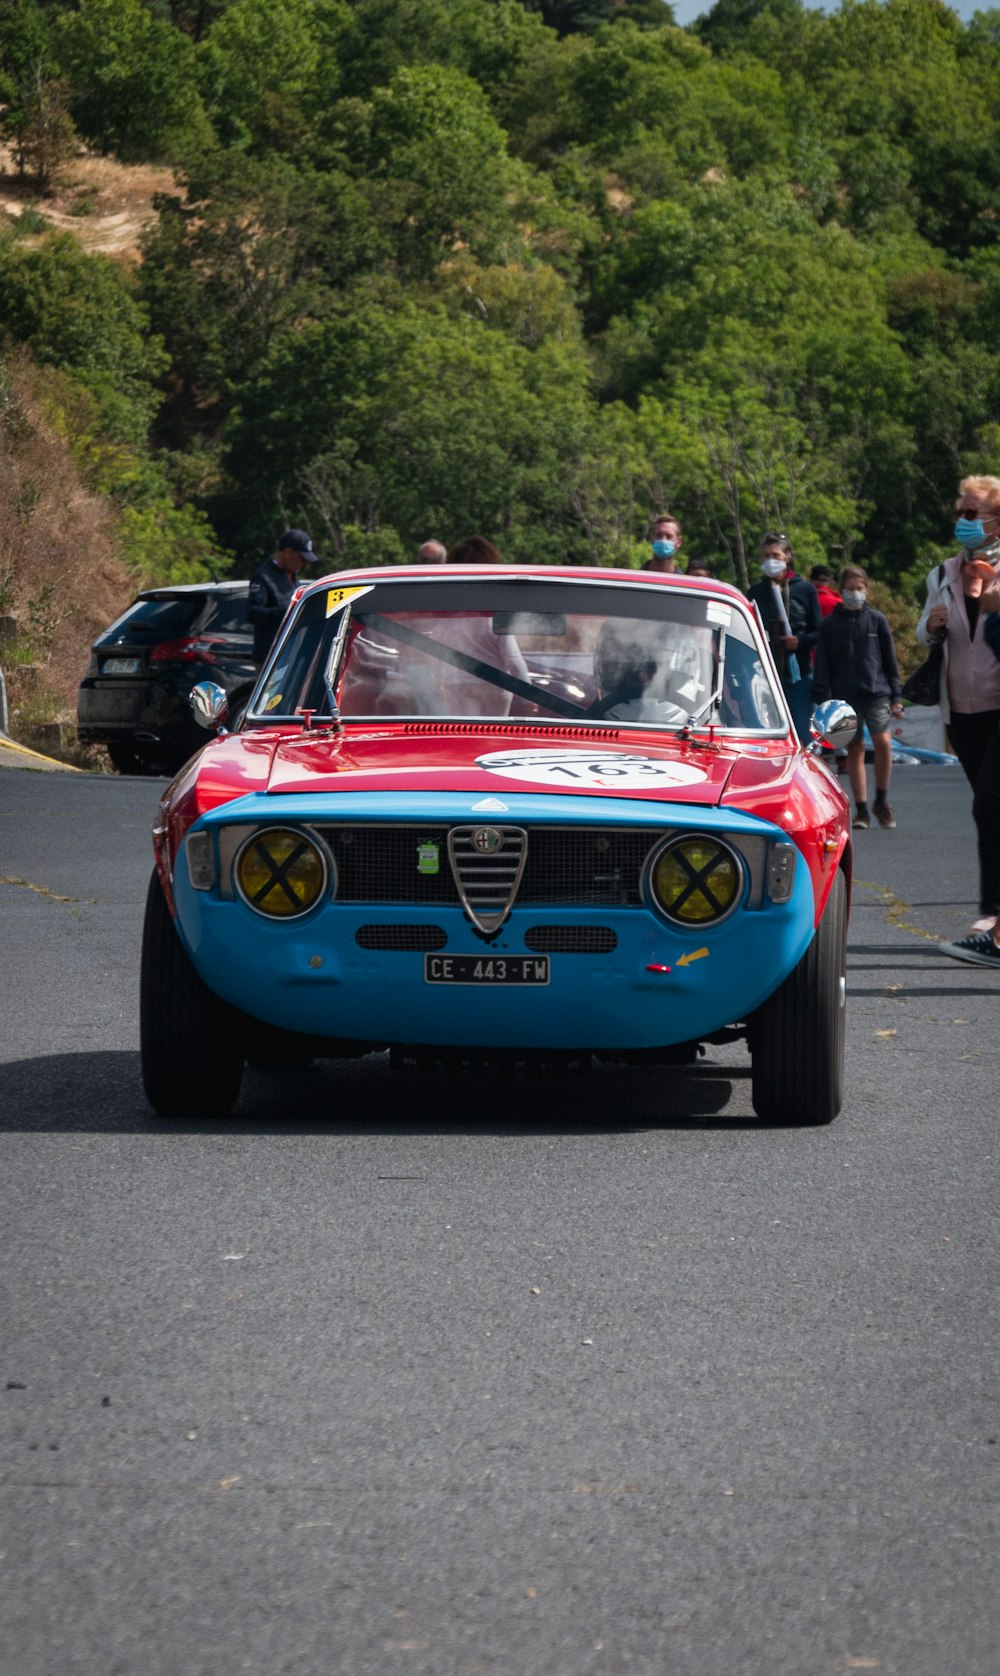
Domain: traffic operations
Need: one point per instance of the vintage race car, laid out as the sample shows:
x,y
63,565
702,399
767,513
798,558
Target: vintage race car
x,y
478,813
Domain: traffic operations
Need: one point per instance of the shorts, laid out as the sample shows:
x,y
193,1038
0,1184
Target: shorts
x,y
873,713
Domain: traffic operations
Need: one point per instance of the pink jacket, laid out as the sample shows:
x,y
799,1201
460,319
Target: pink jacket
x,y
970,678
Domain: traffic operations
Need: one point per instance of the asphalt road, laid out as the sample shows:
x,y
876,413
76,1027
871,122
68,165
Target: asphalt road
x,y
493,1378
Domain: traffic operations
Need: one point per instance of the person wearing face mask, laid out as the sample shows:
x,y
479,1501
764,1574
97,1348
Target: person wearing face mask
x,y
789,609
666,541
856,661
970,677
982,948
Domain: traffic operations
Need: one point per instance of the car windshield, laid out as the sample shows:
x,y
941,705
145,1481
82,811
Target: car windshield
x,y
166,616
226,613
531,650
156,619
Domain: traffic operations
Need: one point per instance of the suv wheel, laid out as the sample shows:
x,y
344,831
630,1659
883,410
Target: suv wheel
x,y
126,759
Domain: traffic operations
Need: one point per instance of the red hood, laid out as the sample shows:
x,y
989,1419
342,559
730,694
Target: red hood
x,y
432,757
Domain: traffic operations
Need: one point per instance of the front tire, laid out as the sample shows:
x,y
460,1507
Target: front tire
x,y
192,1058
797,1037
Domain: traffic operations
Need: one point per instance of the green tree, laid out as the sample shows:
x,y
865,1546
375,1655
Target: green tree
x,y
193,17
573,17
34,95
407,420
268,68
530,304
632,83
133,77
254,248
437,166
738,461
79,313
489,40
726,28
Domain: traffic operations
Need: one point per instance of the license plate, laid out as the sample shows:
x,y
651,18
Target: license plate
x,y
121,666
486,968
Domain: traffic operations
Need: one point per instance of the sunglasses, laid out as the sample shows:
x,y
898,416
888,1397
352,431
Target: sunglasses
x,y
774,538
973,512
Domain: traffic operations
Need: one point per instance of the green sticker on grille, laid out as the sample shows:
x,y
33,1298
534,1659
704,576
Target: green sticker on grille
x,y
428,858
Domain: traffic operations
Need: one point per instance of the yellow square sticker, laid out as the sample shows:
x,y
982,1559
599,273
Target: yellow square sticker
x,y
337,598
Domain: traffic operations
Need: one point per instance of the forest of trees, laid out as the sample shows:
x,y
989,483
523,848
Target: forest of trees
x,y
436,266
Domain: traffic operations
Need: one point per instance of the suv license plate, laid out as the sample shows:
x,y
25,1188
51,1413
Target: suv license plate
x,y
121,666
486,968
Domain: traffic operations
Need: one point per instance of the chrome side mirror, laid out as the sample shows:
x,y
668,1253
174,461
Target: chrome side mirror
x,y
835,722
209,704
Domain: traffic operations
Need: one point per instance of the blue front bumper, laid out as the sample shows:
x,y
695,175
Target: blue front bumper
x,y
311,975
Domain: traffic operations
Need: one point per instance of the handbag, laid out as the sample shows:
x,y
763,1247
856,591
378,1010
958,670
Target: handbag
x,y
924,685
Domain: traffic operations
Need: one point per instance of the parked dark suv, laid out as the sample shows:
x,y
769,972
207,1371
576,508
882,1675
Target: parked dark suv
x,y
134,696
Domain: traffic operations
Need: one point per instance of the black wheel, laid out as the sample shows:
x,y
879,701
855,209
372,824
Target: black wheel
x,y
126,759
192,1055
797,1037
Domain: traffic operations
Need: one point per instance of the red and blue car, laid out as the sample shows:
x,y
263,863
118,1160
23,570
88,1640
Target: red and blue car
x,y
479,813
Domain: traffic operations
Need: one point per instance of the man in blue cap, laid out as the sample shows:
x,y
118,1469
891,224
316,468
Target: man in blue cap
x,y
272,586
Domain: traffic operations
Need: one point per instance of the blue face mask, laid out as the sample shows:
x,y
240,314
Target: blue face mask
x,y
664,549
970,532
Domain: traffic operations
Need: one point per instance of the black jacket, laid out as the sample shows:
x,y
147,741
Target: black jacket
x,y
270,591
804,615
855,657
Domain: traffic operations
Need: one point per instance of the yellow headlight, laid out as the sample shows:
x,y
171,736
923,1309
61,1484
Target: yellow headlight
x,y
280,872
696,880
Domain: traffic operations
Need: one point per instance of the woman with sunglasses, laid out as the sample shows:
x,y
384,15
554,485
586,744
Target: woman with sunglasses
x,y
970,677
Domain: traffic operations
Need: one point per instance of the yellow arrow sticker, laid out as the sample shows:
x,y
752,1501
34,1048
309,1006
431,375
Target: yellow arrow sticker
x,y
337,598
698,954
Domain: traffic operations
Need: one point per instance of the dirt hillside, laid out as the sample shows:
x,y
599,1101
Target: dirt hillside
x,y
60,577
104,204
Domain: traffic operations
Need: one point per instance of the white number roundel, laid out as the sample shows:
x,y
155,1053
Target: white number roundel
x,y
607,770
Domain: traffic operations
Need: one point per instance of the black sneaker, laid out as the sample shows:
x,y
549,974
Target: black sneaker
x,y
884,815
978,951
861,822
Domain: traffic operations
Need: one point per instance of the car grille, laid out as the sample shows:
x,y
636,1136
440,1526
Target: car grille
x,y
541,939
570,939
564,866
487,878
402,939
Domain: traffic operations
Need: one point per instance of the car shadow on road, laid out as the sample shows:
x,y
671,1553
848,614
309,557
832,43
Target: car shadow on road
x,y
101,1093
